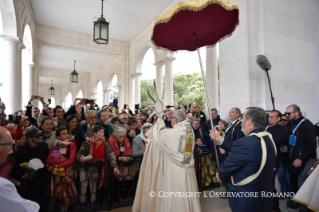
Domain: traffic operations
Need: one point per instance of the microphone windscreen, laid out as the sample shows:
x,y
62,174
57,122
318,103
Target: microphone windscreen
x,y
263,62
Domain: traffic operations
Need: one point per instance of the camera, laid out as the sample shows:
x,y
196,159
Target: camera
x,y
88,101
36,97
17,120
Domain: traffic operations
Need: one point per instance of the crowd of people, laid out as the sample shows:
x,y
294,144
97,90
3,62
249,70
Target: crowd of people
x,y
99,138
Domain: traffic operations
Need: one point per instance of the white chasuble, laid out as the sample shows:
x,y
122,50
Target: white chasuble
x,y
167,171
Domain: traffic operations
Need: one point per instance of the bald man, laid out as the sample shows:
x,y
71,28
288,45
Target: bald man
x,y
10,200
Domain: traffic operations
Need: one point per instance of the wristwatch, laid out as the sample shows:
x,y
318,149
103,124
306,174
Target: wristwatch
x,y
116,166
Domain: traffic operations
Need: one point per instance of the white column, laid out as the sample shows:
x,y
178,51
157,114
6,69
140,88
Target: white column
x,y
19,75
10,74
159,78
27,82
169,81
131,91
137,88
120,97
37,68
212,77
106,94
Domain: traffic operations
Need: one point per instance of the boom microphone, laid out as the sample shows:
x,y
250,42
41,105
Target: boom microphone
x,y
263,62
265,65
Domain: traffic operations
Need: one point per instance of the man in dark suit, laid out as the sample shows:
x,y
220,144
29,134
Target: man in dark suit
x,y
91,119
279,134
302,145
232,133
249,157
208,126
35,111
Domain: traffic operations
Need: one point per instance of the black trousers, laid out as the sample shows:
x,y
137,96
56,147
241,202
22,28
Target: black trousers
x,y
275,199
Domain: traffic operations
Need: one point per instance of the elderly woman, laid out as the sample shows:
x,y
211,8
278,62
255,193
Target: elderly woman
x,y
122,148
120,145
139,142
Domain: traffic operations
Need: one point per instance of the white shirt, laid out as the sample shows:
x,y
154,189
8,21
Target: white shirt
x,y
232,123
10,200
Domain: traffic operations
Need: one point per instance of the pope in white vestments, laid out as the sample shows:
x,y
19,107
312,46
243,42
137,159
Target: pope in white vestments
x,y
167,180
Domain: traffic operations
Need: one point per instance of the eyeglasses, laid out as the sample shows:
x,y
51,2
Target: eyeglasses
x,y
288,114
9,144
94,117
284,120
121,136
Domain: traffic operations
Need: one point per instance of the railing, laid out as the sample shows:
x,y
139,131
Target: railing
x,y
206,169
118,191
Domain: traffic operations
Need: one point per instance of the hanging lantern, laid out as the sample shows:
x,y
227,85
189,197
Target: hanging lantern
x,y
51,90
74,75
101,30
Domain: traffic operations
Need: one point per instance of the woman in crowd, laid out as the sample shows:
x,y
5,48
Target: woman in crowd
x,y
140,123
60,115
103,116
26,123
139,144
198,130
49,136
47,112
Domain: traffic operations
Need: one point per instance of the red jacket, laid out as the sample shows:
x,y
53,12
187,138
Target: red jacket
x,y
56,161
17,135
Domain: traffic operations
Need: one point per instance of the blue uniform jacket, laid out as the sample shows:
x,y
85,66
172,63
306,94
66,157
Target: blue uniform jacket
x,y
243,161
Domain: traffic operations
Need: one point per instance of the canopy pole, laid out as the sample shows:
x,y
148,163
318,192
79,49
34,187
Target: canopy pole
x,y
206,94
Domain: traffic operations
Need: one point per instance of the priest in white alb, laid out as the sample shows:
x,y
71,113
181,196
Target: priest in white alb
x,y
167,179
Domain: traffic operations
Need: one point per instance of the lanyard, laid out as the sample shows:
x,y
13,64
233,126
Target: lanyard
x,y
294,130
266,127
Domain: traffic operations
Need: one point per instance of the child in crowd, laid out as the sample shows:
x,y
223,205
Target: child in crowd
x,y
92,157
59,163
47,112
199,146
221,129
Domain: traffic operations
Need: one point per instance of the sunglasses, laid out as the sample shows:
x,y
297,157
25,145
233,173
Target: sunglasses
x,y
284,120
288,114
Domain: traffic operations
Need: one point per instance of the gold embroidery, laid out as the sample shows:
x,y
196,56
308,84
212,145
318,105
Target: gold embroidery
x,y
188,145
189,130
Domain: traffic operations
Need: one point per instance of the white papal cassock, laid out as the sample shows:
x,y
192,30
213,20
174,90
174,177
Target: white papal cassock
x,y
168,166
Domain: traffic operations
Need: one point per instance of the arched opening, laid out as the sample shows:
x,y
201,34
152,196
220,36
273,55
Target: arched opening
x,y
68,101
53,104
80,94
148,71
99,94
114,94
27,65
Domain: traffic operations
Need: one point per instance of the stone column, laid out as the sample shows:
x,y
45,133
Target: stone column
x,y
159,77
212,77
131,91
37,68
169,81
27,81
107,96
19,75
137,88
10,74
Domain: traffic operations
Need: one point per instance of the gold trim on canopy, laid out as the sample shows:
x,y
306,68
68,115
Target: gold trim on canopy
x,y
194,5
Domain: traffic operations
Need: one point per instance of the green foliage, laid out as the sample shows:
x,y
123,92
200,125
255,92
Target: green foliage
x,y
186,87
115,92
145,99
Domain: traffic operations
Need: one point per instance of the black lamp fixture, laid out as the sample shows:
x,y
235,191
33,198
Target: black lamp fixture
x,y
74,75
101,30
51,90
